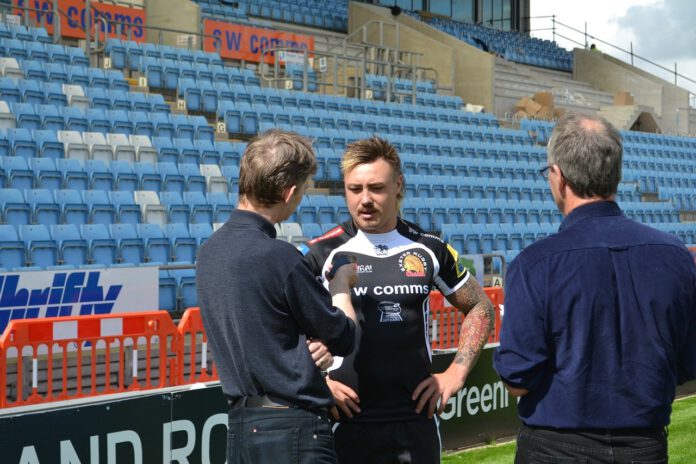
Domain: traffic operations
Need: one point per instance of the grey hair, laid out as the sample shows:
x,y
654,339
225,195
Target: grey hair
x,y
588,150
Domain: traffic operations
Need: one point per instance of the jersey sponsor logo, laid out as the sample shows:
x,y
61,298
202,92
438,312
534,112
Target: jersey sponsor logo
x,y
413,264
405,289
364,268
335,232
381,250
461,269
389,311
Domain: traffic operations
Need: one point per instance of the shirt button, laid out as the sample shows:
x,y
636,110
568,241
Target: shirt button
x,y
315,436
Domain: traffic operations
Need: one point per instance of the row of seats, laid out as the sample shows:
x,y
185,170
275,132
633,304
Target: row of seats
x,y
21,32
325,14
52,93
287,99
39,51
120,175
72,206
166,73
99,244
63,74
48,117
660,140
128,54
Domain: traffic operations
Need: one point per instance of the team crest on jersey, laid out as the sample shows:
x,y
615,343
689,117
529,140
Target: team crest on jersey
x,y
389,311
412,264
381,250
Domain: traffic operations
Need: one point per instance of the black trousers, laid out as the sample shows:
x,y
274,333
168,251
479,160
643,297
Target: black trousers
x,y
407,442
279,436
542,445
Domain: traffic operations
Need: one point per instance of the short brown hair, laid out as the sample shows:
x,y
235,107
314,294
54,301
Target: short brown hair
x,y
273,161
368,151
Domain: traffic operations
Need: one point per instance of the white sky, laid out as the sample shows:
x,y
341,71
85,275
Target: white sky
x,y
663,31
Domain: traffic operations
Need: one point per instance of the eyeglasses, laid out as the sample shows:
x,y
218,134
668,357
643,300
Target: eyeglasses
x,y
545,171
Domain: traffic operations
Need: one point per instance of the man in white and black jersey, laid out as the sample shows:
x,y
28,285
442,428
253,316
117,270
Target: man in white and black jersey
x,y
385,392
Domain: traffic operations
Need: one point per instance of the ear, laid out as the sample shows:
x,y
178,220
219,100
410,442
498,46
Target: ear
x,y
288,192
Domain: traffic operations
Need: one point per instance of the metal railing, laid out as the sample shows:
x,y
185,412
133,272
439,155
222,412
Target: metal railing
x,y
345,75
584,38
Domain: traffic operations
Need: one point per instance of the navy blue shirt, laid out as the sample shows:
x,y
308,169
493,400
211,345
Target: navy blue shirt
x,y
599,323
260,302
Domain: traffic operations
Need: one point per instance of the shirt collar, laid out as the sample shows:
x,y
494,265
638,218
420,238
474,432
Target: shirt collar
x,y
591,210
244,218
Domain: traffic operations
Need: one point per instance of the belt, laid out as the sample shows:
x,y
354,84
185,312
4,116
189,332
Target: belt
x,y
648,431
265,401
261,401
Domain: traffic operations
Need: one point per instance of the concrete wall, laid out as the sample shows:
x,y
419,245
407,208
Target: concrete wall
x,y
611,75
460,66
180,15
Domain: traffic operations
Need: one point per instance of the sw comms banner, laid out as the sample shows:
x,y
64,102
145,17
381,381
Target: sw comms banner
x,y
74,25
248,43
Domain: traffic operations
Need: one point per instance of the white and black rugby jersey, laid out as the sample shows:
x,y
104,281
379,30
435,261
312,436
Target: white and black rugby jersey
x,y
396,270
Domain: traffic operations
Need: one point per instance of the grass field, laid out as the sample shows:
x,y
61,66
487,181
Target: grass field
x,y
681,437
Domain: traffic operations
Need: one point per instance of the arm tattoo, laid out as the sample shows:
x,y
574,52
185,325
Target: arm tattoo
x,y
477,325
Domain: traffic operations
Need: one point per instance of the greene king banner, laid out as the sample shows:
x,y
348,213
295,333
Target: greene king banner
x,y
74,25
247,43
38,294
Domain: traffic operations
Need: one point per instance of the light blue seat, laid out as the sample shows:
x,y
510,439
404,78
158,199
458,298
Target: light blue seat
x,y
17,172
15,209
44,207
131,247
182,244
220,203
72,248
12,249
167,291
73,208
41,249
177,210
186,284
124,203
101,211
200,231
103,249
157,248
46,173
201,211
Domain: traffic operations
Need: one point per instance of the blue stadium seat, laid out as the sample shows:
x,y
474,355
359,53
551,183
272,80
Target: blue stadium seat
x,y
183,245
46,173
157,248
15,209
124,203
201,211
41,249
73,208
74,175
177,210
102,247
195,182
220,203
26,116
172,180
74,119
12,249
167,291
131,247
101,211
44,207
17,172
100,177
72,248
186,283
200,231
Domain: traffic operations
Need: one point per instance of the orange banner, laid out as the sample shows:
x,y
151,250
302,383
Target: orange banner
x,y
247,43
73,25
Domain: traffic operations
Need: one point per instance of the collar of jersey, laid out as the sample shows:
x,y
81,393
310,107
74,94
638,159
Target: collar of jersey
x,y
380,239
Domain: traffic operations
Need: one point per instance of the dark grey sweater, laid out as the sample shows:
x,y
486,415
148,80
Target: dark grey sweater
x,y
260,303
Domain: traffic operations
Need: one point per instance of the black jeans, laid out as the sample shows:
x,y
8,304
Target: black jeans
x,y
405,442
279,436
542,445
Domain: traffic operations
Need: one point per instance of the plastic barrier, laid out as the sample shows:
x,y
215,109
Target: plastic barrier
x,y
193,354
62,358
82,356
446,320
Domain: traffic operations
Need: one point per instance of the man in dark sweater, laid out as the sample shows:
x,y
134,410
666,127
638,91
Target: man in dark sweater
x,y
600,318
262,308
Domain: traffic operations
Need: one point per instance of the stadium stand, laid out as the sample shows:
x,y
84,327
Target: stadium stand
x,y
95,171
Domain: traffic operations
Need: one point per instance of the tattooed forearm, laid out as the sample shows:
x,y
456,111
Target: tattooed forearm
x,y
477,325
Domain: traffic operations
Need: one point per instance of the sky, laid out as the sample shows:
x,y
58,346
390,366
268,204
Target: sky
x,y
663,31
